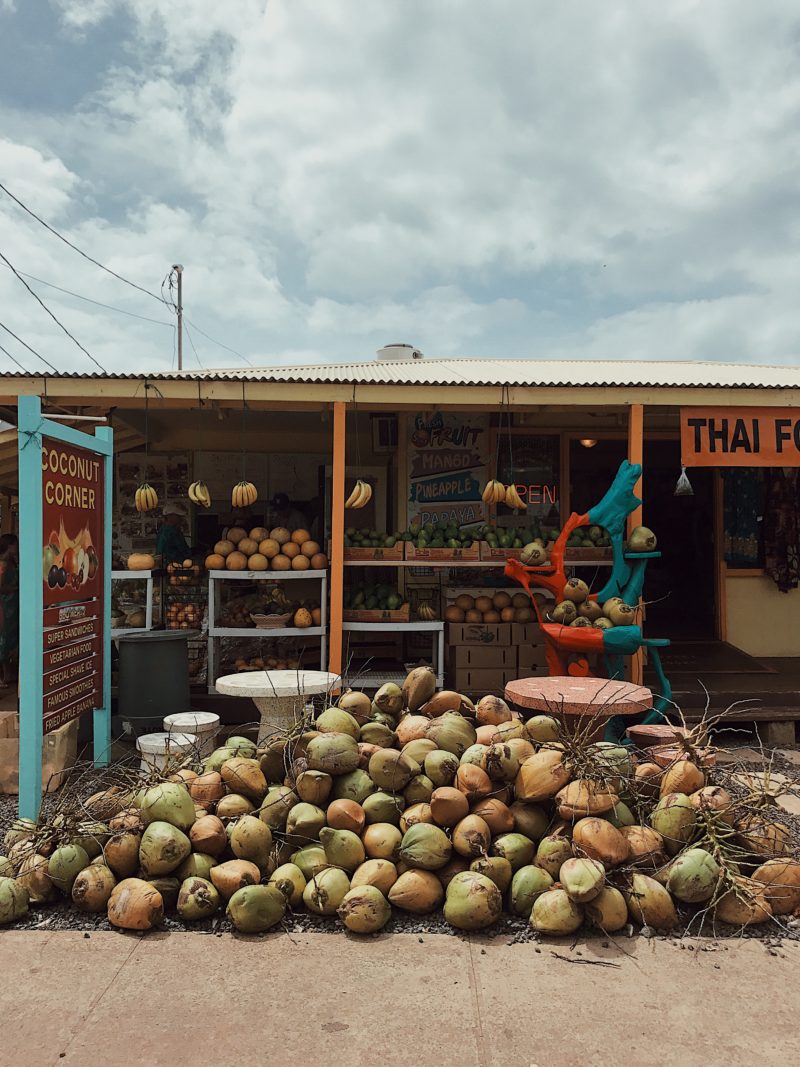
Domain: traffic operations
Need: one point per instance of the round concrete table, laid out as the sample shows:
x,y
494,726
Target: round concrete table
x,y
580,698
278,695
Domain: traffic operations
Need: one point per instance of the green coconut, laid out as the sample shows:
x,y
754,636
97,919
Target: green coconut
x,y
474,754
326,891
473,901
441,767
425,846
65,864
168,887
197,899
416,891
418,749
364,910
391,770
542,728
291,882
92,888
693,876
389,699
649,903
377,733
608,910
276,805
357,704
355,785
384,718
552,851
383,807
582,879
92,837
343,848
675,818
333,753
451,732
20,830
241,746
256,908
304,823
336,721
6,867
251,839
495,868
528,883
554,912
516,848
169,802
620,815
419,790
531,820
310,860
272,759
500,763
163,848
196,865
13,901
216,759
314,787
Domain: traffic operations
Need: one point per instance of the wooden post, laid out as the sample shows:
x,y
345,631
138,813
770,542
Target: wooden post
x,y
636,455
337,538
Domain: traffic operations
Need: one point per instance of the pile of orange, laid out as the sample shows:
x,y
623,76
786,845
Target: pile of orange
x,y
267,550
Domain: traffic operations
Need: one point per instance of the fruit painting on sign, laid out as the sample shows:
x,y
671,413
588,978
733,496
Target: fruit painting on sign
x,y
72,520
448,456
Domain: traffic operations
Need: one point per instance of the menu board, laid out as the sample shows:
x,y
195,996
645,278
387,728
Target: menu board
x,y
448,467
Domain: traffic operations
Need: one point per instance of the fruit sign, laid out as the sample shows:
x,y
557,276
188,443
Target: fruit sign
x,y
65,587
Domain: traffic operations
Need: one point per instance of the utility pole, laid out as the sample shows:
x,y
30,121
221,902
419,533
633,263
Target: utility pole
x,y
178,268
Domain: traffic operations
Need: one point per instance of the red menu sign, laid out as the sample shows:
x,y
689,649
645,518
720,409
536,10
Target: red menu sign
x,y
73,495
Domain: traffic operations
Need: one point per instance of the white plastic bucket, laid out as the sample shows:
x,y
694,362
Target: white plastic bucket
x,y
203,724
157,749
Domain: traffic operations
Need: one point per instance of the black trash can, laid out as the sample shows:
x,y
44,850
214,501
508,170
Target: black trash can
x,y
153,679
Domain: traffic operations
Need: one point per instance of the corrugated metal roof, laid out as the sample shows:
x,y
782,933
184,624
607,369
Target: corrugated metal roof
x,y
492,372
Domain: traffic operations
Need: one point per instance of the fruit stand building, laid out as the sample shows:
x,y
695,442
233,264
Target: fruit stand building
x,y
427,434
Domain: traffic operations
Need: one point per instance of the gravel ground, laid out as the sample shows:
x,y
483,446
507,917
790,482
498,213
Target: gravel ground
x,y
512,929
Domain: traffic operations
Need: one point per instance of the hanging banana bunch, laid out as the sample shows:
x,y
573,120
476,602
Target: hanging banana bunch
x,y
243,495
513,499
146,498
361,495
494,493
199,494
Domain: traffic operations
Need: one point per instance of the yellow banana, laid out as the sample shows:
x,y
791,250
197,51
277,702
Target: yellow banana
x,y
513,499
499,492
487,496
236,496
253,492
351,500
138,499
204,495
367,494
193,492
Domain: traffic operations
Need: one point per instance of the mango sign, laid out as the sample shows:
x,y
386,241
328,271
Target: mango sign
x,y
740,437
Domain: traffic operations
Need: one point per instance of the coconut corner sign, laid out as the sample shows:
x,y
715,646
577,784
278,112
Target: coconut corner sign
x,y
65,579
740,437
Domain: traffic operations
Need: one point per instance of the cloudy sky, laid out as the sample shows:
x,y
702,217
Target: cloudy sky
x,y
500,178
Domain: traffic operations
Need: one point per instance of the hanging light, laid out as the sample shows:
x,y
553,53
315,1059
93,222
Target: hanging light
x,y
588,442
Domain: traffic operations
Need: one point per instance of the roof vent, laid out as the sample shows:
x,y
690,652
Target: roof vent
x,y
399,352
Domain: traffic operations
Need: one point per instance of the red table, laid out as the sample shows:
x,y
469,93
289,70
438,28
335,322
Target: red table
x,y
597,698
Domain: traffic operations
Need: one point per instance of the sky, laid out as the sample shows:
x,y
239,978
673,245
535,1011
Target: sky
x,y
506,178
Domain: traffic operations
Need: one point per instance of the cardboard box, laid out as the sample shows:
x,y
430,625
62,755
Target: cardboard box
x,y
443,555
483,680
531,656
479,633
526,633
475,656
59,752
533,670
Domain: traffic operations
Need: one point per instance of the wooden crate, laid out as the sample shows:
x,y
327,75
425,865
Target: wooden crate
x,y
366,555
443,555
490,554
402,614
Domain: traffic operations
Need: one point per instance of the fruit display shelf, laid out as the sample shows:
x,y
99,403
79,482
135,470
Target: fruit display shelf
x,y
216,632
128,576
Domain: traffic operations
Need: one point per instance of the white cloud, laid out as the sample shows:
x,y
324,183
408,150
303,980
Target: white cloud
x,y
526,179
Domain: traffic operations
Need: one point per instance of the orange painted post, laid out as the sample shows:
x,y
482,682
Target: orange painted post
x,y
337,539
636,455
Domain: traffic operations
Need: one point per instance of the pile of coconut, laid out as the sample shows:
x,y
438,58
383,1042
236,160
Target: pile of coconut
x,y
418,801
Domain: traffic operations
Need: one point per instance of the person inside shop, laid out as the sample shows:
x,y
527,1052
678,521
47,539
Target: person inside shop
x,y
9,607
283,513
172,545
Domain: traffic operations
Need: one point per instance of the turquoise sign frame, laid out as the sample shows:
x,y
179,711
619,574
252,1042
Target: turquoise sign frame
x,y
32,427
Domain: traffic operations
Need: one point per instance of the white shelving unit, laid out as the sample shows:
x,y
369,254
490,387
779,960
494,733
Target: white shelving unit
x,y
375,679
216,632
128,576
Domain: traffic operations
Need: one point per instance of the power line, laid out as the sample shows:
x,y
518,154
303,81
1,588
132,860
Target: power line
x,y
216,342
109,307
75,248
14,359
46,362
39,300
191,342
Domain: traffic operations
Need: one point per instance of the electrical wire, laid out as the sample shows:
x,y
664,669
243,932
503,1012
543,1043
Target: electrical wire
x,y
39,300
75,248
98,303
46,362
216,342
191,342
14,359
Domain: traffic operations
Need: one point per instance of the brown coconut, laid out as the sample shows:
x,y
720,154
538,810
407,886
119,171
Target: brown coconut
x,y
135,905
411,728
208,836
497,815
584,797
491,711
599,840
447,700
645,845
418,892
781,880
122,853
473,781
207,789
744,904
380,873
234,874
415,814
647,779
346,815
242,775
448,806
541,776
682,777
711,798
472,837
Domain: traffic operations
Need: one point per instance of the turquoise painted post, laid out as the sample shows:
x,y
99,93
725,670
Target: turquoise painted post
x,y
30,606
101,732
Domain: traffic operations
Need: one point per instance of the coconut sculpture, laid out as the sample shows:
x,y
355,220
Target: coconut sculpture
x,y
606,622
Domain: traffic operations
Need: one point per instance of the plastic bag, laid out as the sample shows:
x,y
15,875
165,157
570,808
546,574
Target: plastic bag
x,y
683,486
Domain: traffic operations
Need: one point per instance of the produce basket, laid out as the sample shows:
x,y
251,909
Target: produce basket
x,y
271,622
401,614
443,555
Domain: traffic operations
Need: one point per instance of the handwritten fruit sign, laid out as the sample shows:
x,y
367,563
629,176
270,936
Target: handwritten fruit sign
x,y
72,518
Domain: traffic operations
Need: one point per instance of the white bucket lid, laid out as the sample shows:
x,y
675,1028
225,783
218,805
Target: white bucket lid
x,y
163,742
200,721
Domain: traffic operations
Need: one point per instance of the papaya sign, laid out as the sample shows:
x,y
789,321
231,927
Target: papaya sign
x,y
740,437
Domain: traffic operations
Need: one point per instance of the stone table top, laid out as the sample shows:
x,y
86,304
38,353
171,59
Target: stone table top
x,y
277,683
579,696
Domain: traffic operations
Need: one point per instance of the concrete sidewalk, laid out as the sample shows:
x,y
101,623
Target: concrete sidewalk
x,y
395,1000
